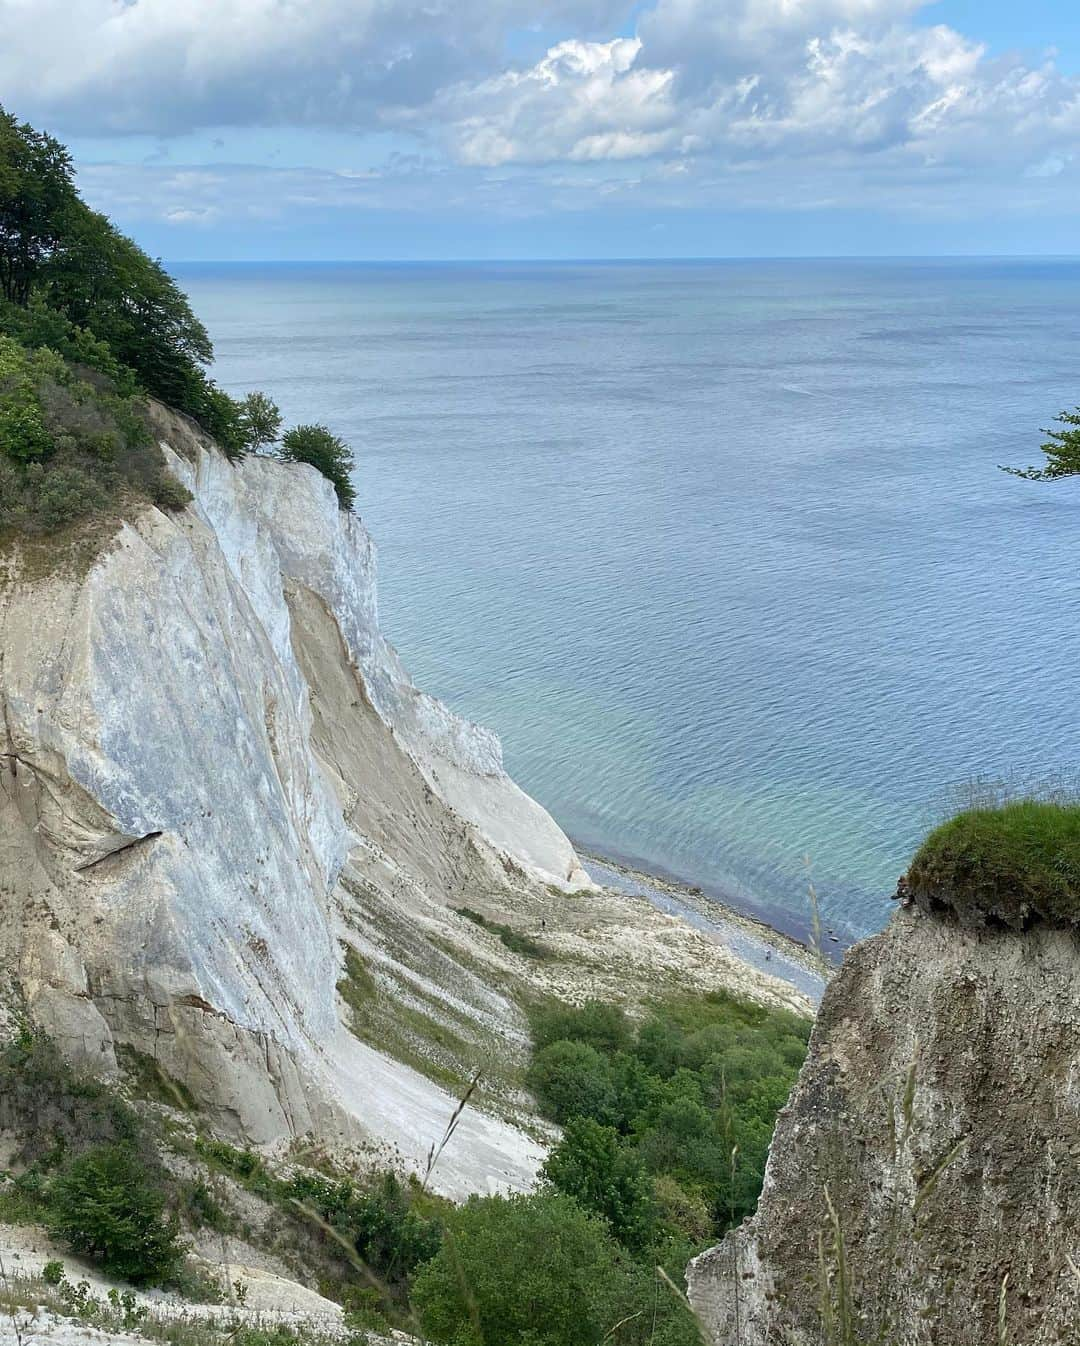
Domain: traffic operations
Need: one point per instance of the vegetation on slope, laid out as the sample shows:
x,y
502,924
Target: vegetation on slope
x,y
667,1124
89,324
1015,864
665,1130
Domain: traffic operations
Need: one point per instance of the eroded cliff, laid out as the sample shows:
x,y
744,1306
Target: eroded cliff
x,y
923,1184
235,838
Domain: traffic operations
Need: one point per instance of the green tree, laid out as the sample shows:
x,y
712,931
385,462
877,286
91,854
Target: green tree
x,y
36,190
527,1271
592,1165
1062,449
104,1205
318,447
573,1079
262,420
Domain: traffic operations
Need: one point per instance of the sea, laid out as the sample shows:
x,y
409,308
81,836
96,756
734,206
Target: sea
x,y
721,549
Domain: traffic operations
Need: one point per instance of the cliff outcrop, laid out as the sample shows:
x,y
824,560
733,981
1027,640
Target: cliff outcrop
x,y
236,839
923,1185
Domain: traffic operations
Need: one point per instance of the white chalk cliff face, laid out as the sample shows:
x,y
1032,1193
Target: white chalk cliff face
x,y
213,766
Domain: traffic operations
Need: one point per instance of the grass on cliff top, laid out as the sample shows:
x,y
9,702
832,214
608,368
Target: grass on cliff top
x,y
1016,864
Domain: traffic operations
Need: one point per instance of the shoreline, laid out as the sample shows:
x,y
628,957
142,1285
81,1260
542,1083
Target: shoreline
x,y
753,940
765,914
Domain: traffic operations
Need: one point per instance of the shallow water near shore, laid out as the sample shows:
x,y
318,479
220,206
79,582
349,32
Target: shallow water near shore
x,y
720,549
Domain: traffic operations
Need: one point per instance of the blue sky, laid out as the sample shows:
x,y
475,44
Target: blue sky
x,y
263,129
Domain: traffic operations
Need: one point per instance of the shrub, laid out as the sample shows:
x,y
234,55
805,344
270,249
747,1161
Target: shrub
x,y
52,1273
170,494
539,1271
572,1079
605,1176
602,1026
1013,865
103,1205
261,420
316,446
690,1098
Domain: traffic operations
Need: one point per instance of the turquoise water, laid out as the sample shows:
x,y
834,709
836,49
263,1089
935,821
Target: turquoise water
x,y
721,550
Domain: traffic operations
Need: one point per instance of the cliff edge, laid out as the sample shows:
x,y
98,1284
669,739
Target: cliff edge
x,y
923,1185
237,841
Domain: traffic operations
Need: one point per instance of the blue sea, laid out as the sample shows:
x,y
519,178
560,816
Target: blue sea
x,y
721,549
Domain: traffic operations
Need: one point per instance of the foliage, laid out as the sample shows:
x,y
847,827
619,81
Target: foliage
x,y
95,316
261,420
390,1227
70,447
106,1207
514,940
597,1023
604,1176
573,1079
538,1270
54,1111
319,448
36,193
1062,449
1016,864
689,1099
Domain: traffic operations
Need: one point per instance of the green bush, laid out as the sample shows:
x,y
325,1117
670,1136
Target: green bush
x,y
573,1079
72,283
539,1271
603,1174
1014,865
316,446
103,1204
600,1025
690,1099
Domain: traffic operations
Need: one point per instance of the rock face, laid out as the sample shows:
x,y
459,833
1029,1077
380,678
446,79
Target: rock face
x,y
210,757
925,1176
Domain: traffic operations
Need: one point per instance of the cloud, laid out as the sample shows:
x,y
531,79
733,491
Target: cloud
x,y
757,81
790,104
167,67
581,101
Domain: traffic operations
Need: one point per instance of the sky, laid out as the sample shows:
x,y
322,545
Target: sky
x,y
406,129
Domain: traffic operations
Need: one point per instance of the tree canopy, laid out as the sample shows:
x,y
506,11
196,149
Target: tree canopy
x,y
89,323
1062,449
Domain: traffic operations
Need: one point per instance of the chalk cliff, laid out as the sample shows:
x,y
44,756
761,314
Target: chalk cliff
x,y
236,839
923,1186
210,754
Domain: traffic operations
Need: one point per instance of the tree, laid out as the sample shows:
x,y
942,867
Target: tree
x,y
79,285
573,1080
262,420
35,191
526,1271
106,1208
600,1173
316,446
1062,449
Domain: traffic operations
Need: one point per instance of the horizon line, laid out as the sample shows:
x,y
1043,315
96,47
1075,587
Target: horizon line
x,y
597,261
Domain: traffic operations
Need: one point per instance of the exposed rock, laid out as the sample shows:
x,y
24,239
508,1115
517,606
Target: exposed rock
x,y
175,834
938,1111
214,774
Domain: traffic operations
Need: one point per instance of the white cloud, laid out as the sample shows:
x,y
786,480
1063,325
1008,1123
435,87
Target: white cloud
x,y
767,102
169,66
582,101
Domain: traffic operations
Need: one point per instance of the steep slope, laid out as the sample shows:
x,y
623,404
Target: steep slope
x,y
216,779
175,848
939,1113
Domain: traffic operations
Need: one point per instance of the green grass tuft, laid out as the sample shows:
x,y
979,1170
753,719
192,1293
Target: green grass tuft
x,y
1016,865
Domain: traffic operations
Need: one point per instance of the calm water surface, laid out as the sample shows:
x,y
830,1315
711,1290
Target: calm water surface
x,y
720,549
